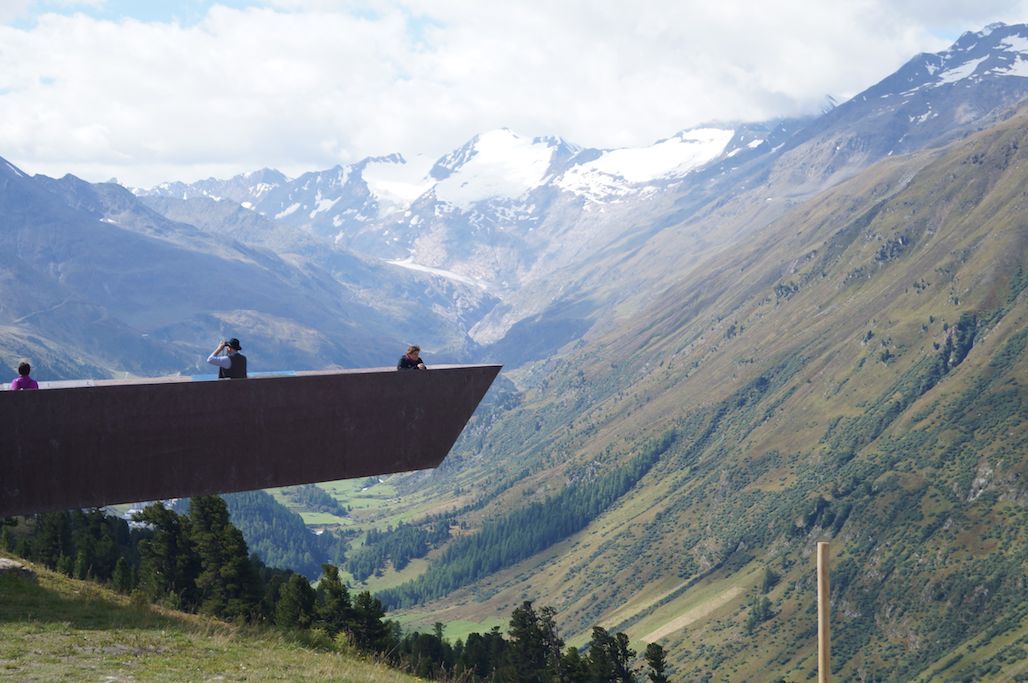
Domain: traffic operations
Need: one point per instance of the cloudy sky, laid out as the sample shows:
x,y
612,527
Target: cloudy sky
x,y
161,90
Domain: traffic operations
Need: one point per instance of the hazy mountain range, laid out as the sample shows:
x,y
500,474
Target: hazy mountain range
x,y
724,347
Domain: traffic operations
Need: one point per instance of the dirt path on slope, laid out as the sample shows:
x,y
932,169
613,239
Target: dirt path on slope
x,y
695,614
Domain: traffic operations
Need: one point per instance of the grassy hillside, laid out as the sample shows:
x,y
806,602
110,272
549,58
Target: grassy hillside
x,y
853,372
56,628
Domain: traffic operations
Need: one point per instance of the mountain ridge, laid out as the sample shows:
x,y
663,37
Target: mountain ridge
x,y
797,435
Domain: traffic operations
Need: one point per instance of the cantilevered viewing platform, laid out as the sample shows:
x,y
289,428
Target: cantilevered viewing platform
x,y
90,444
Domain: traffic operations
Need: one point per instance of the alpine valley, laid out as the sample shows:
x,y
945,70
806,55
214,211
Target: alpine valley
x,y
718,350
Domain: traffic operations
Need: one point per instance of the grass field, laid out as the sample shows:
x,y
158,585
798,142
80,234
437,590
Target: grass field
x,y
454,630
54,628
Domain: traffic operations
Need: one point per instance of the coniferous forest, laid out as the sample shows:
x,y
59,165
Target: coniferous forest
x,y
199,562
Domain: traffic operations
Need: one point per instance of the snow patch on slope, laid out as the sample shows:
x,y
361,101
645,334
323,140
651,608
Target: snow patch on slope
x,y
290,210
409,264
323,205
614,171
1015,43
1018,68
959,73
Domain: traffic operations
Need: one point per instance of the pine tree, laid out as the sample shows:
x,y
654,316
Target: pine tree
x,y
770,580
552,642
656,658
574,669
368,630
168,562
104,543
121,578
334,608
226,583
52,539
83,565
526,652
760,611
208,517
476,655
295,607
239,578
610,657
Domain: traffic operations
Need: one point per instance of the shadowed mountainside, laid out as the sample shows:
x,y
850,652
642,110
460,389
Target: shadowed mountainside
x,y
95,283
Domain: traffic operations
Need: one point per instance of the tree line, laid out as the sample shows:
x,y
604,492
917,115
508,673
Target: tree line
x,y
397,545
315,499
532,652
199,562
279,536
521,533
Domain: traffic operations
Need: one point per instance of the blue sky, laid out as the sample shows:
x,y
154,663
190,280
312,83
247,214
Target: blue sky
x,y
24,13
182,11
149,91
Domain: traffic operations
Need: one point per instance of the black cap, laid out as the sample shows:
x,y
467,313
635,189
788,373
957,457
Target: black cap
x,y
233,343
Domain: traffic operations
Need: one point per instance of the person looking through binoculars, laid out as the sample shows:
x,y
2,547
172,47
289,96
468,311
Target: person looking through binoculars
x,y
232,364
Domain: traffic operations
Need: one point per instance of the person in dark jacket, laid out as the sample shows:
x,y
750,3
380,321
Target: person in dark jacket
x,y
411,360
233,363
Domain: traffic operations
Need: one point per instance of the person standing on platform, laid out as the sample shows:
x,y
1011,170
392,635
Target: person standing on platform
x,y
411,360
23,381
233,363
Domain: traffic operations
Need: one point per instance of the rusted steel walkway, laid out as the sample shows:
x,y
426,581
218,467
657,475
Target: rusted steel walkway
x,y
90,444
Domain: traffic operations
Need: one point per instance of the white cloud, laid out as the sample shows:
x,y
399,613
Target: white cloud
x,y
13,9
305,84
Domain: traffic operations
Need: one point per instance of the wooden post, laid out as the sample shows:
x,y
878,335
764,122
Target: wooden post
x,y
823,638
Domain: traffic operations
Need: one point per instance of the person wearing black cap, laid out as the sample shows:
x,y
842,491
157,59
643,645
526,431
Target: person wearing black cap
x,y
233,363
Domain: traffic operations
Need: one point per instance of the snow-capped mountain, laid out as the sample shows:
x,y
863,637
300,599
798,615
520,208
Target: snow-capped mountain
x,y
482,197
504,208
616,173
330,203
997,51
529,219
933,98
497,166
245,189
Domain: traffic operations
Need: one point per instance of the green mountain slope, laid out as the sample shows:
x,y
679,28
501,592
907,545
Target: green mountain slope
x,y
56,628
854,372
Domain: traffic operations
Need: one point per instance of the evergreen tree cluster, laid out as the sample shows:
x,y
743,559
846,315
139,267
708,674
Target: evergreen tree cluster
x,y
521,533
315,499
532,652
399,546
279,536
84,544
199,562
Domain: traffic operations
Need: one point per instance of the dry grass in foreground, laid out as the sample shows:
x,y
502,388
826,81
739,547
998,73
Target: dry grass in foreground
x,y
56,628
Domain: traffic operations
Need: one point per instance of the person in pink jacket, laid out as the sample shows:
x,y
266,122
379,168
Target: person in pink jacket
x,y
23,381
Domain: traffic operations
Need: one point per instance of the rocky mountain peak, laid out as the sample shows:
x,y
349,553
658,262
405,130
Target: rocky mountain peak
x,y
9,169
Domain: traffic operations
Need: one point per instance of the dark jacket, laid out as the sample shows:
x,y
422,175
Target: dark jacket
x,y
408,363
238,369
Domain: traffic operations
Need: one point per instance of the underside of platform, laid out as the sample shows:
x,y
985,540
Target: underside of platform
x,y
128,441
